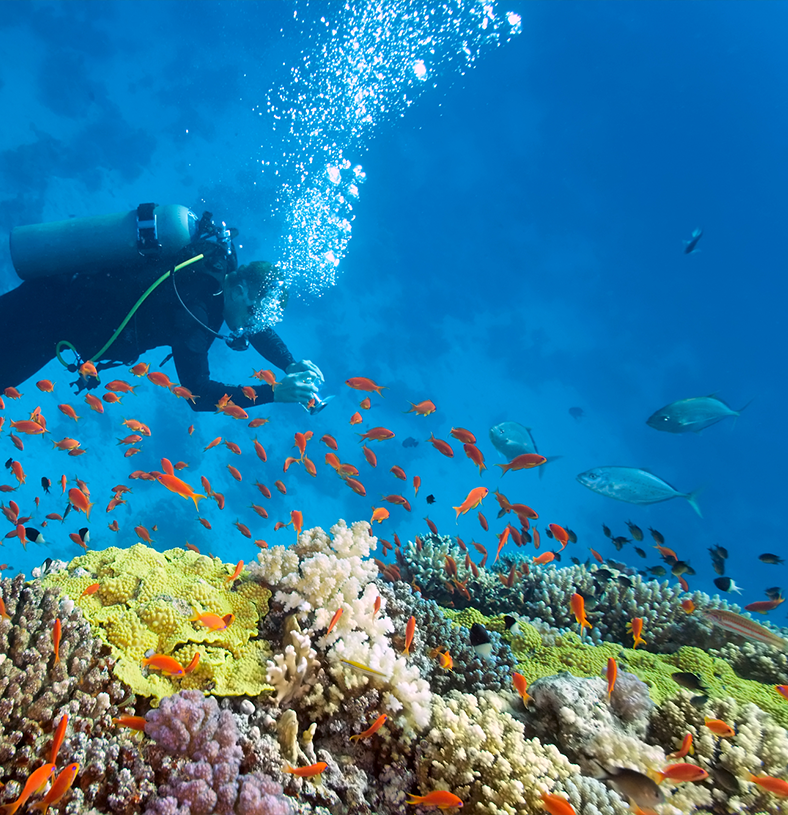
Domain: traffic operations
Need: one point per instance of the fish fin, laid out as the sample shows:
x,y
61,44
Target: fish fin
x,y
740,411
692,498
549,459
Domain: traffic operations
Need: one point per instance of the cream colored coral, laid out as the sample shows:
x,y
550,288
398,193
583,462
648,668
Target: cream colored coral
x,y
479,752
290,673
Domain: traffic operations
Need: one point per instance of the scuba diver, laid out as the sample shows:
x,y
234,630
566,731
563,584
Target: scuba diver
x,y
113,287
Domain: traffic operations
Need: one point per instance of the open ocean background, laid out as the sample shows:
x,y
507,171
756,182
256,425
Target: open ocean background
x,y
516,250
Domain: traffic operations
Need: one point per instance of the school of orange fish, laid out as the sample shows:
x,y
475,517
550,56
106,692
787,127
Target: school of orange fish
x,y
79,500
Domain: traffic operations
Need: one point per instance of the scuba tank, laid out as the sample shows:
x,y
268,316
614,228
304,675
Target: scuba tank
x,y
129,241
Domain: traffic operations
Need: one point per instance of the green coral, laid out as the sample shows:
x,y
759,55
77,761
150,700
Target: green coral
x,y
581,658
144,605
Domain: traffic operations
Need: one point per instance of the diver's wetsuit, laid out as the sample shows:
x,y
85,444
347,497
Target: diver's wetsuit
x,y
86,310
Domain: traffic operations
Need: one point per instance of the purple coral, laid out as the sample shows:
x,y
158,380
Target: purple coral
x,y
191,726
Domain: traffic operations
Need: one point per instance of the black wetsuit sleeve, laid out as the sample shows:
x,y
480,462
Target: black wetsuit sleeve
x,y
270,345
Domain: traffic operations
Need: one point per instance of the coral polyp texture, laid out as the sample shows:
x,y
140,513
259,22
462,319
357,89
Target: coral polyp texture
x,y
337,687
145,604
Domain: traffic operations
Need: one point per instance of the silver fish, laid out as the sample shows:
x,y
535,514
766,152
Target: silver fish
x,y
690,246
691,415
633,486
511,439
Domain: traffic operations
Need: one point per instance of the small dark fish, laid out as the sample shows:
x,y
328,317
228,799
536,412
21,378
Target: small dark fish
x,y
691,244
84,534
658,536
526,536
767,557
512,625
614,564
774,593
9,464
46,484
575,561
725,779
635,786
570,535
68,509
657,571
557,557
635,531
410,442
576,413
726,584
430,499
699,701
548,532
719,552
606,531
722,552
34,535
603,574
688,680
639,551
718,565
619,542
624,581
480,641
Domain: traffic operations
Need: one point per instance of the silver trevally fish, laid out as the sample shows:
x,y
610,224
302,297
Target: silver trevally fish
x,y
633,486
511,439
691,415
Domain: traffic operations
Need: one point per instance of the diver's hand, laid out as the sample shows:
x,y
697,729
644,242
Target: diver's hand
x,y
296,387
308,367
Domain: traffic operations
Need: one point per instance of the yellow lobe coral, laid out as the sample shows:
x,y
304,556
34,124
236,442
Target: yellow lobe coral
x,y
145,602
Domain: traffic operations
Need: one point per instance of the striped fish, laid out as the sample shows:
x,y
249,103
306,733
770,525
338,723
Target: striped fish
x,y
744,627
360,667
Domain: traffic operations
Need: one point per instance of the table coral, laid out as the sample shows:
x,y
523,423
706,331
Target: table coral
x,y
144,604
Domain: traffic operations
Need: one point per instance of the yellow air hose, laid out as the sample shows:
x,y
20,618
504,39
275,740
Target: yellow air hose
x,y
116,334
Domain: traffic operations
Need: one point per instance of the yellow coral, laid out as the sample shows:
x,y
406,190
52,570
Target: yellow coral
x,y
145,603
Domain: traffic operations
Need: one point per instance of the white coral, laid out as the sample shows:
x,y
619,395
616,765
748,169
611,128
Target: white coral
x,y
291,673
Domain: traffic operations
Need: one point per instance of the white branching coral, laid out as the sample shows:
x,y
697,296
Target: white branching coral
x,y
289,672
319,576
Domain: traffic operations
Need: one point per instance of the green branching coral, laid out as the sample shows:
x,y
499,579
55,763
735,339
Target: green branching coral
x,y
144,604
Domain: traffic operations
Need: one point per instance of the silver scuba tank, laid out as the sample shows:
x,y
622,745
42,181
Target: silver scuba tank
x,y
123,241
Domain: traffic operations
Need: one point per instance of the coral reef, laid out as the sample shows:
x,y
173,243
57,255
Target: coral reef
x,y
37,690
206,776
144,605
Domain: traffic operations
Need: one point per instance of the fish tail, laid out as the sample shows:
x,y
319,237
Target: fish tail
x,y
196,497
692,497
741,410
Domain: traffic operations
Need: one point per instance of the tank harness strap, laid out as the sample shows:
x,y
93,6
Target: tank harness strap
x,y
148,244
134,308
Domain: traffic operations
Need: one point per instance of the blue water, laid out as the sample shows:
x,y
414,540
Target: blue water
x,y
515,250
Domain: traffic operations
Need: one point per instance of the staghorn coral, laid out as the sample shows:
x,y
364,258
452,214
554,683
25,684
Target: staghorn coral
x,y
36,691
144,605
206,778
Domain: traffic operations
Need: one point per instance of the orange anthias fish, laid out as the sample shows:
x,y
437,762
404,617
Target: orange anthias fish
x,y
525,461
776,786
636,629
441,446
521,686
371,458
377,434
362,383
297,519
57,629
213,622
45,385
140,369
680,773
685,749
579,610
372,729
545,557
421,408
334,620
35,783
462,435
688,606
764,606
472,500
132,722
179,487
238,569
416,485
475,455
57,739
307,772
168,665
80,501
556,805
720,728
410,630
611,675
379,514
60,786
439,798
